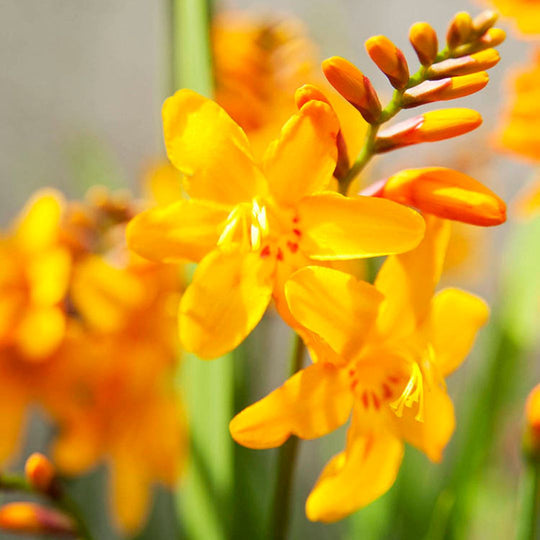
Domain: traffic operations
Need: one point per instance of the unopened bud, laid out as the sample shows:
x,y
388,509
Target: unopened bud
x,y
423,38
532,432
429,127
446,193
464,65
308,92
32,518
40,472
484,21
351,83
492,38
444,89
389,59
460,30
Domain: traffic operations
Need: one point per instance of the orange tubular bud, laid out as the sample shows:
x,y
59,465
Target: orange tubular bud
x,y
445,89
389,59
429,127
464,65
532,414
308,92
460,30
492,38
484,21
423,38
31,518
447,194
351,83
40,472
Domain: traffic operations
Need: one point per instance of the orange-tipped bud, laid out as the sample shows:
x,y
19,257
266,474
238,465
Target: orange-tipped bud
x,y
351,83
464,65
423,38
444,89
429,127
308,92
460,30
40,472
389,59
31,518
484,21
492,38
448,194
532,434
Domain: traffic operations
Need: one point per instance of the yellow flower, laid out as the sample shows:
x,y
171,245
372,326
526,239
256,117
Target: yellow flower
x,y
393,344
34,273
520,129
250,226
526,14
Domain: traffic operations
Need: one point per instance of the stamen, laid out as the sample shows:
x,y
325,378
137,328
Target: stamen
x,y
230,227
413,393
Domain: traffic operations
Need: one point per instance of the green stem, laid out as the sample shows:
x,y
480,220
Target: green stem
x,y
62,502
286,463
529,525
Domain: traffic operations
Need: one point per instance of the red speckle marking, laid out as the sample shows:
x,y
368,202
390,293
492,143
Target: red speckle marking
x,y
393,379
265,252
376,401
387,392
353,384
365,399
293,246
298,232
279,254
352,372
295,219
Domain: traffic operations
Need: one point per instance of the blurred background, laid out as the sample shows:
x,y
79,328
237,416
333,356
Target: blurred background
x,y
82,84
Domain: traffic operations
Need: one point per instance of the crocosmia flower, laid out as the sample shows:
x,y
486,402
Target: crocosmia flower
x,y
251,225
393,344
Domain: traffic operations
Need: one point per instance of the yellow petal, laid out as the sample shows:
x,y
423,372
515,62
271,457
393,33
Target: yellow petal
x,y
432,433
78,448
354,478
48,275
37,226
227,298
337,227
40,332
212,151
334,305
104,294
455,318
183,230
303,159
162,183
408,281
310,404
131,491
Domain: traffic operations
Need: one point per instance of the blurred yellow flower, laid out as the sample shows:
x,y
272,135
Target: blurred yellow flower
x,y
532,413
526,14
520,128
393,344
34,274
250,226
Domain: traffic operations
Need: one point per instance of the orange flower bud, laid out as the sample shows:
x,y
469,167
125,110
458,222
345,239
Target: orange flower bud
x,y
493,37
532,413
40,472
484,21
308,92
429,127
423,38
351,83
464,65
445,89
460,30
448,194
389,59
26,517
